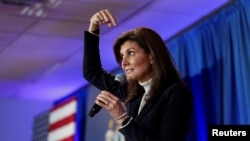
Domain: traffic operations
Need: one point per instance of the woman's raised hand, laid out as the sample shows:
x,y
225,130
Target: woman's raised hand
x,y
100,18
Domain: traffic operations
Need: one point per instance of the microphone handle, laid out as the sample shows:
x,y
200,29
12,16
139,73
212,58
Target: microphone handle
x,y
95,109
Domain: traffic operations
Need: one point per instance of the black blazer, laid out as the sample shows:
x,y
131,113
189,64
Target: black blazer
x,y
164,119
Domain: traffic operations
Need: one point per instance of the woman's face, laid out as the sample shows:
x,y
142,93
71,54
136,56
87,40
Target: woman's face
x,y
135,62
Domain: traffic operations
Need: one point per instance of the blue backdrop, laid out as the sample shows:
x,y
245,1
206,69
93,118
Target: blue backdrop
x,y
214,58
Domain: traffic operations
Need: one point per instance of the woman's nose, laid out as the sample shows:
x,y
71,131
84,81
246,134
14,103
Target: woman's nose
x,y
124,61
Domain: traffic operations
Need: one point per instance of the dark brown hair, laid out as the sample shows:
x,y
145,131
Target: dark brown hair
x,y
164,71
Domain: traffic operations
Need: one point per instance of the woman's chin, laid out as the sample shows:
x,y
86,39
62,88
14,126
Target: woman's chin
x,y
130,78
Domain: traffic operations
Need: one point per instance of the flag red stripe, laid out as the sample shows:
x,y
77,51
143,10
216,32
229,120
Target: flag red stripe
x,y
71,138
62,104
62,122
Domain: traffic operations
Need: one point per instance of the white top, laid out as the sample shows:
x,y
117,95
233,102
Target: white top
x,y
146,85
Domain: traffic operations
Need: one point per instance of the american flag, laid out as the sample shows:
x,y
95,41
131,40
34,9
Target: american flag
x,y
65,121
62,121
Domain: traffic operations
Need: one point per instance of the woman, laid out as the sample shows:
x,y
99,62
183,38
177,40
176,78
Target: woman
x,y
158,105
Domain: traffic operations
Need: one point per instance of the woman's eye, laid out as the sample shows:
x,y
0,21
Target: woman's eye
x,y
131,53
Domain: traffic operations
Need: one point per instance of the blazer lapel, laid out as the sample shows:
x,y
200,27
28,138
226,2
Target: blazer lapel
x,y
134,106
145,110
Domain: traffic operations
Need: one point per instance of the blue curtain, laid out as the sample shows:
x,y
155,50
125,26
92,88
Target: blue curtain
x,y
214,58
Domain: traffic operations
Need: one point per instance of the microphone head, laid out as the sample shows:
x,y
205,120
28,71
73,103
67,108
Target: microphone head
x,y
121,78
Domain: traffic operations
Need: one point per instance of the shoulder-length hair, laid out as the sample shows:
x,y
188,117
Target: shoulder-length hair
x,y
164,71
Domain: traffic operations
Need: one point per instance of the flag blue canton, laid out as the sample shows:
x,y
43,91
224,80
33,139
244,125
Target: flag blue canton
x,y
40,127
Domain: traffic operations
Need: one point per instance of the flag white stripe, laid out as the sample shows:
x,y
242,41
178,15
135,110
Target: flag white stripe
x,y
62,112
62,132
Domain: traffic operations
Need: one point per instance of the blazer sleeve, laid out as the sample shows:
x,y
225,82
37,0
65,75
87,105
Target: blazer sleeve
x,y
92,67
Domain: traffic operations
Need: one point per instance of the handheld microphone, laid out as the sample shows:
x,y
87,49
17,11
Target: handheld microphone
x,y
119,80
